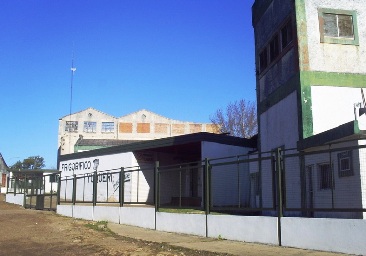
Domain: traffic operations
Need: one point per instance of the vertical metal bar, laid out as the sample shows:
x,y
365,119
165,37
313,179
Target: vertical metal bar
x,y
121,187
156,189
138,182
59,189
238,177
95,182
7,184
157,186
84,187
279,193
332,182
15,186
180,188
107,179
207,198
74,190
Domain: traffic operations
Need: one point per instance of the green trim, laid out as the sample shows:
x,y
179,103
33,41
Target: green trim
x,y
338,40
302,34
308,79
258,9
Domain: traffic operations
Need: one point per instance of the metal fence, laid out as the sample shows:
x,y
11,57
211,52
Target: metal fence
x,y
135,185
284,182
40,191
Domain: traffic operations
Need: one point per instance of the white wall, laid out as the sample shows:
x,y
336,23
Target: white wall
x,y
333,106
336,57
279,125
15,199
224,178
346,236
193,224
86,166
256,229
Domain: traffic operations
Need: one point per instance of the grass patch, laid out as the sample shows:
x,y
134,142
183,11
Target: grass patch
x,y
186,211
100,226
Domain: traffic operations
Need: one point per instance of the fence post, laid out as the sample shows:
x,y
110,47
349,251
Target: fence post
x,y
207,187
95,182
279,192
157,186
15,186
121,187
74,190
7,184
59,189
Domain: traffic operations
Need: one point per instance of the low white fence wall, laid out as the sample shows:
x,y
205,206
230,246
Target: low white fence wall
x,y
192,224
256,229
336,235
15,199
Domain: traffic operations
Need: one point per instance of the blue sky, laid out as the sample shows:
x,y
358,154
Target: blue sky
x,y
182,59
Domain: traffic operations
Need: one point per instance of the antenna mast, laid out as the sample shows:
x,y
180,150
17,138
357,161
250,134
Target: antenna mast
x,y
73,69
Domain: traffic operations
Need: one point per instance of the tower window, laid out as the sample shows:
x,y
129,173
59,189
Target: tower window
x,y
338,27
286,34
263,60
274,49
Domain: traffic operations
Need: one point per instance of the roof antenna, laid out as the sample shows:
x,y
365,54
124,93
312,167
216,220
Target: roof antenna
x,y
73,69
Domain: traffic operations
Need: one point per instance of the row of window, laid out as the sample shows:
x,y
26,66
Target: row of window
x,y
325,175
89,127
279,42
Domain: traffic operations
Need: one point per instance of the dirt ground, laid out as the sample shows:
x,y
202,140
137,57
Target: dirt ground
x,y
31,232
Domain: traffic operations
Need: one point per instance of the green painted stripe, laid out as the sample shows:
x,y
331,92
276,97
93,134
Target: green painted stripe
x,y
317,78
302,34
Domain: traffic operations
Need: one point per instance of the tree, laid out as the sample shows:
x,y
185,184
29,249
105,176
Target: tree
x,y
239,119
32,162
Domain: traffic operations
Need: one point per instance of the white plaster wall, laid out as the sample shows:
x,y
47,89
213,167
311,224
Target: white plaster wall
x,y
243,228
336,57
333,106
225,178
347,192
138,216
65,210
106,213
193,224
279,125
15,199
346,236
83,212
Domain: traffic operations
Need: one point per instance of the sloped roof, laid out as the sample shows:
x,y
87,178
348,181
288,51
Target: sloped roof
x,y
3,165
347,131
88,109
165,143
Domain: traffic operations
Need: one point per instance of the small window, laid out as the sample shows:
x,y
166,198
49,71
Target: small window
x,y
108,127
263,60
339,27
286,35
90,127
325,176
274,48
345,164
71,126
